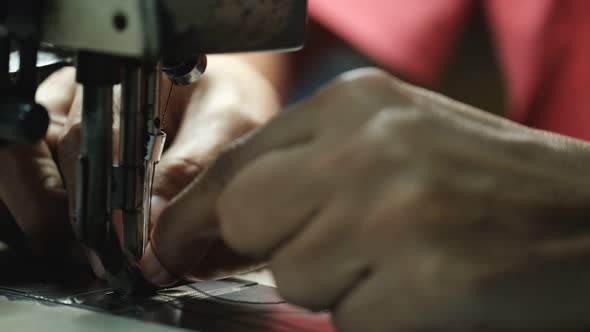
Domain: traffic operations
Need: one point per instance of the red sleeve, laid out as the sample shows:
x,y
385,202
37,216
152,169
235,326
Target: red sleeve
x,y
413,37
543,48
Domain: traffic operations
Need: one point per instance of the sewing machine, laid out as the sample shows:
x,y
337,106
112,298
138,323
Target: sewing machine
x,y
132,43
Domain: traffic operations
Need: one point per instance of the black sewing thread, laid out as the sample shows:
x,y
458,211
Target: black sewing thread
x,y
166,106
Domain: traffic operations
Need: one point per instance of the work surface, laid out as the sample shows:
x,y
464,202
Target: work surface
x,y
37,295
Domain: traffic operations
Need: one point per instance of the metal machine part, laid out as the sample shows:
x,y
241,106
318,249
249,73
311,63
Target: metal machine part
x,y
185,72
129,182
219,305
154,147
97,74
126,28
47,62
175,28
141,146
105,185
122,41
22,120
24,123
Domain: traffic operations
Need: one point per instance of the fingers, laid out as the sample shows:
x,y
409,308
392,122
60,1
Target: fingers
x,y
209,123
32,189
172,175
56,94
205,117
189,223
68,152
190,220
196,233
215,117
270,200
206,258
221,261
31,186
326,247
68,148
361,309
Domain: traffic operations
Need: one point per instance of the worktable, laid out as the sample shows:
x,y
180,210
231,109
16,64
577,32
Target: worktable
x,y
40,295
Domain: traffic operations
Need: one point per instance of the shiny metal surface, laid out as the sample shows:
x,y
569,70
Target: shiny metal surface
x,y
93,204
44,60
90,25
155,141
221,26
129,185
155,146
174,28
186,72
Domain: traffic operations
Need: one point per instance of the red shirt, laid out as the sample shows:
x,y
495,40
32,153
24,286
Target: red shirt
x,y
543,47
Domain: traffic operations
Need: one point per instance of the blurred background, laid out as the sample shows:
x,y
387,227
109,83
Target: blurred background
x,y
470,71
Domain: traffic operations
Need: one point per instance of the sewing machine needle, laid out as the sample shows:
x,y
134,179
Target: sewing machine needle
x,y
155,148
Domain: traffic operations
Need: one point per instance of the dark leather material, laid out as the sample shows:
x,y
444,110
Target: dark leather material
x,y
201,306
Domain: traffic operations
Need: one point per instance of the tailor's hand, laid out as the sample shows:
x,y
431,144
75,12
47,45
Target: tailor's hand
x,y
32,191
395,208
231,99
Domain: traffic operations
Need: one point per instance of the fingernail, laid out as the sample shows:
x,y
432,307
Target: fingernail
x,y
158,204
153,271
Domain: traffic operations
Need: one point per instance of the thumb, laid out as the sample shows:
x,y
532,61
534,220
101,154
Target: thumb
x,y
186,239
180,165
172,174
201,136
225,105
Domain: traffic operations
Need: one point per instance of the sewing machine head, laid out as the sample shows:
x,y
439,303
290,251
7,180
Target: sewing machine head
x,y
127,42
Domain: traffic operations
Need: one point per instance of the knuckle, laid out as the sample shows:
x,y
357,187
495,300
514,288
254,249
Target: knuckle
x,y
348,85
363,76
381,132
393,132
421,191
389,136
55,92
403,123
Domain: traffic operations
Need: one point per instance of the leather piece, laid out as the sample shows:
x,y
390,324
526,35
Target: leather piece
x,y
201,306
